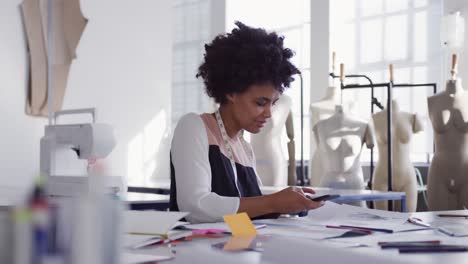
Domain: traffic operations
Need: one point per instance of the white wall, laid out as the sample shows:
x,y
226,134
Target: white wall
x,y
451,6
123,69
19,134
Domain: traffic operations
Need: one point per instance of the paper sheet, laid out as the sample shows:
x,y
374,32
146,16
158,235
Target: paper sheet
x,y
335,214
311,232
372,240
298,227
322,215
217,225
151,222
300,250
135,241
135,258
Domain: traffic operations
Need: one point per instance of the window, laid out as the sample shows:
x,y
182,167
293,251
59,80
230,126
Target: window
x,y
368,35
191,31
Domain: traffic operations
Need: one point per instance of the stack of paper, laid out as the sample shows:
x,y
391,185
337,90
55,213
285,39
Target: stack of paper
x,y
354,216
298,227
136,258
374,240
151,222
145,228
140,241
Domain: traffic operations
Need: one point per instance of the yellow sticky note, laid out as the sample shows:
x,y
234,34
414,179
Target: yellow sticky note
x,y
240,225
239,243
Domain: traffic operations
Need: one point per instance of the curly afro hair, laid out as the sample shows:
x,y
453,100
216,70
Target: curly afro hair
x,y
245,57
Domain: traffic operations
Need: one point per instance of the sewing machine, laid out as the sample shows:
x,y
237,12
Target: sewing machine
x,y
67,149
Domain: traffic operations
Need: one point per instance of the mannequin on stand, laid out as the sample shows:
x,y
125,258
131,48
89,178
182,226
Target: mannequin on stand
x,y
447,186
340,139
404,125
272,166
68,24
320,110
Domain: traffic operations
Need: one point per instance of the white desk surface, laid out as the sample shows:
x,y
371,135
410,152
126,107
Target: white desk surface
x,y
299,250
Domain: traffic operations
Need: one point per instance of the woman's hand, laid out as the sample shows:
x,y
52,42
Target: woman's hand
x,y
293,200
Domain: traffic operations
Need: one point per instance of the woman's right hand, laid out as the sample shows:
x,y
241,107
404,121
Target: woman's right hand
x,y
293,200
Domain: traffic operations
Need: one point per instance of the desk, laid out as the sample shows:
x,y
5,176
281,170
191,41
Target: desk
x,y
351,195
147,201
296,250
12,195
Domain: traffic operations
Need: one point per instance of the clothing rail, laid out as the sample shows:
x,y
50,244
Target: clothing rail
x,y
302,178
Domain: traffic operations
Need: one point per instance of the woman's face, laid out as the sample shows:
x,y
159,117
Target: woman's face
x,y
252,108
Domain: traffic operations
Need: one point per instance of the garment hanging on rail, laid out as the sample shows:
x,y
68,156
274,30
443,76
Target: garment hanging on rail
x,y
68,25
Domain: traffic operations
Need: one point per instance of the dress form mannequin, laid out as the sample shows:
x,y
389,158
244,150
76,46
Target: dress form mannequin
x,y
68,25
340,139
404,125
320,110
447,186
272,166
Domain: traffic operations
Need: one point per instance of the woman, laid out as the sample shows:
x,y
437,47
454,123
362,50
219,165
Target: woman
x,y
212,166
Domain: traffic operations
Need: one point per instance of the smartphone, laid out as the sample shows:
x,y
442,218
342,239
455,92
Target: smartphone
x,y
325,197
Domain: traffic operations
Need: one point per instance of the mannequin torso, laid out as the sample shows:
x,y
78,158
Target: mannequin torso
x,y
448,112
320,110
271,164
404,125
340,139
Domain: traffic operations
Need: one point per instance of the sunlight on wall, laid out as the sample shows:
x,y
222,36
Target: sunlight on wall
x,y
144,148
